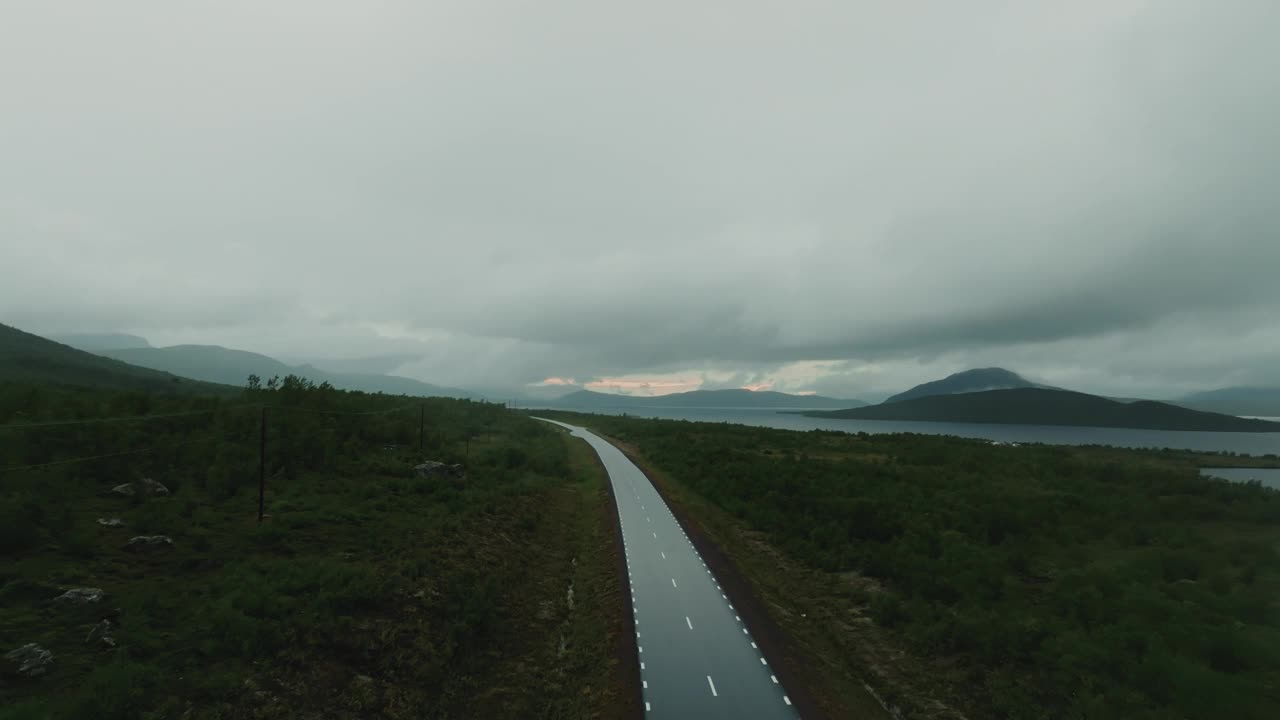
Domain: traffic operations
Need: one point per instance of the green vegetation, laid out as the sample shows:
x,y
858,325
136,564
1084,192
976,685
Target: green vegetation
x,y
1038,406
30,358
367,592
1025,582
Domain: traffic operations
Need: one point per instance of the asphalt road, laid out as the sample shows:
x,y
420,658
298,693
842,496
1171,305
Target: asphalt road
x,y
697,658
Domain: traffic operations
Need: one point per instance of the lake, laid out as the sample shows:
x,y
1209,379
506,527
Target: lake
x,y
1244,443
1268,477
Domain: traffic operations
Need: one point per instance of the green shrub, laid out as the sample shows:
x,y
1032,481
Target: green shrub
x,y
18,528
120,690
28,710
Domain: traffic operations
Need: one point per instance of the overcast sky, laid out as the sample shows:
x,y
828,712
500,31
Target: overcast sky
x,y
847,197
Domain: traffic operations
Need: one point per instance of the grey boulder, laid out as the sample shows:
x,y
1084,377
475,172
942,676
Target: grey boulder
x,y
30,660
101,634
432,468
80,596
146,487
148,541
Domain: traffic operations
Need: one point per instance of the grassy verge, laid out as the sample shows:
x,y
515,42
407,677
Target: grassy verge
x,y
960,578
368,592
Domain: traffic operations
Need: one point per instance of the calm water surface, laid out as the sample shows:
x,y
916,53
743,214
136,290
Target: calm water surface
x,y
1247,443
1268,477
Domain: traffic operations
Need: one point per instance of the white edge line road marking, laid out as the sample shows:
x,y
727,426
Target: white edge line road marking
x,y
762,662
774,678
646,684
786,699
647,707
642,667
690,623
673,583
664,556
713,687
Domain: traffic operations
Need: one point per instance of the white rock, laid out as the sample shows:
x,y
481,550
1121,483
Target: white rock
x,y
80,596
144,541
146,487
31,659
101,634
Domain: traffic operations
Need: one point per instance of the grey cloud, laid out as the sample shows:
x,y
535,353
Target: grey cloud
x,y
1078,190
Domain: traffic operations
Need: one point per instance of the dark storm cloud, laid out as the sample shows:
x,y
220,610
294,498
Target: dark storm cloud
x,y
507,191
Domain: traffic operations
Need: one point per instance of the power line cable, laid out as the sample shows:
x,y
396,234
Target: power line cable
x,y
118,419
108,455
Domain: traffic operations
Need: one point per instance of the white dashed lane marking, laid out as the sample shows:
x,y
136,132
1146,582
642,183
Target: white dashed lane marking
x,y
694,589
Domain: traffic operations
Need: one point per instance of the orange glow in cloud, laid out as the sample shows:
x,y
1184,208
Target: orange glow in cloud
x,y
757,387
557,381
644,386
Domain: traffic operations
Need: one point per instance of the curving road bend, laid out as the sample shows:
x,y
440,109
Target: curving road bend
x,y
697,658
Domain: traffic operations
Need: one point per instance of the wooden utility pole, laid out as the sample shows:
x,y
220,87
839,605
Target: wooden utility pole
x,y
262,465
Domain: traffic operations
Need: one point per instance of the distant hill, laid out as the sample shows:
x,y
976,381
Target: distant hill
x,y
369,365
233,367
586,399
1264,401
31,358
97,342
1038,406
975,380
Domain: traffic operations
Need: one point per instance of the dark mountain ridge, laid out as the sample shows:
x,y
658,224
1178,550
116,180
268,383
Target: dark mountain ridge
x,y
1039,406
31,358
731,398
214,363
1264,401
975,380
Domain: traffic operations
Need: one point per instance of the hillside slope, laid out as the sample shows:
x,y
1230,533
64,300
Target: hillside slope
x,y
233,367
31,358
976,380
1036,406
733,398
97,342
1264,401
